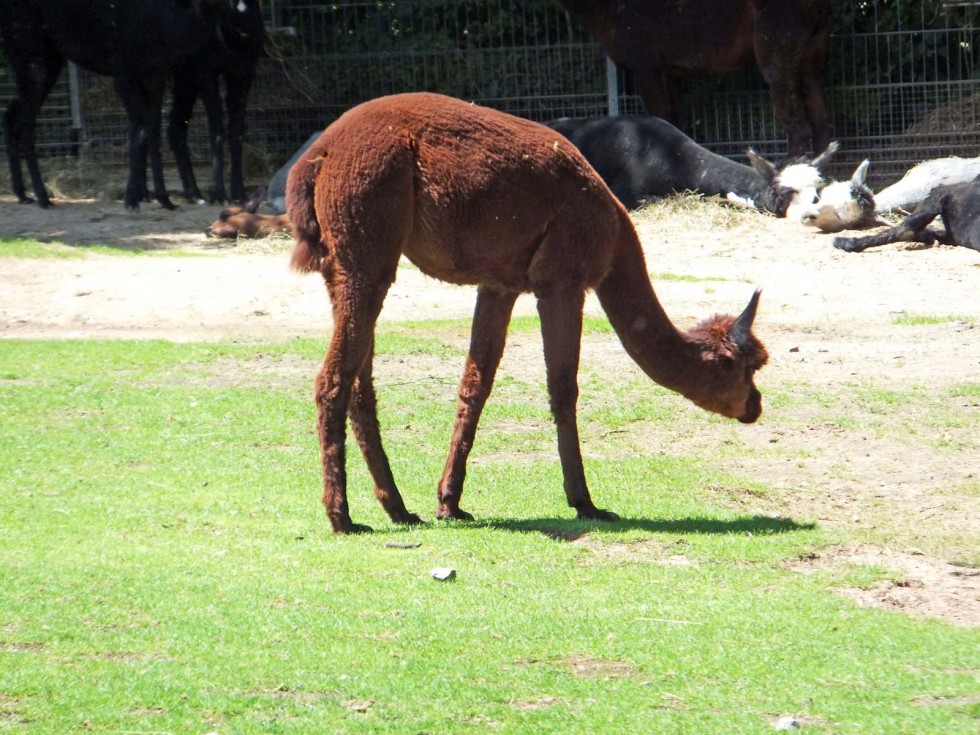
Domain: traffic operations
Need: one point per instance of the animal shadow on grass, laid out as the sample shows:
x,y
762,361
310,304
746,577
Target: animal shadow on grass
x,y
572,529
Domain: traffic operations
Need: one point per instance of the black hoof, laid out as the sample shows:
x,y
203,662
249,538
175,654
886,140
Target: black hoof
x,y
408,519
444,514
597,514
847,244
351,528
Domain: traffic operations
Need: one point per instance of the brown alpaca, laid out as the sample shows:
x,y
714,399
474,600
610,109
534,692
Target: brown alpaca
x,y
474,196
244,222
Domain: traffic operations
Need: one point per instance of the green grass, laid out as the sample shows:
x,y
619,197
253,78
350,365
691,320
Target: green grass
x,y
27,248
166,566
923,319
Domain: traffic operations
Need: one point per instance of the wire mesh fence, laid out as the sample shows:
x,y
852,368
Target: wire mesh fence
x,y
901,80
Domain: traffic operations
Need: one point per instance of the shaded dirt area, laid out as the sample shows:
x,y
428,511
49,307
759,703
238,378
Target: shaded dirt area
x,y
892,320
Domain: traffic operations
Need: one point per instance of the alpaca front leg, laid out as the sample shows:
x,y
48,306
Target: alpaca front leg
x,y
561,330
487,338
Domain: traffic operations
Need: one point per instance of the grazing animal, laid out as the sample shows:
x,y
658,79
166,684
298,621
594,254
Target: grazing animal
x,y
475,196
642,158
852,205
958,205
661,41
244,222
137,43
232,53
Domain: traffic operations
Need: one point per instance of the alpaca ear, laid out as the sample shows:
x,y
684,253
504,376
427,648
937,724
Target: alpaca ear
x,y
741,330
860,173
825,154
761,165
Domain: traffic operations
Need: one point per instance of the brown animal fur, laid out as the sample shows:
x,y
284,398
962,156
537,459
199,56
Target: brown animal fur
x,y
475,196
239,222
663,41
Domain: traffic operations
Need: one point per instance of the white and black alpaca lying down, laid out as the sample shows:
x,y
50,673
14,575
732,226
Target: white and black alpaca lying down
x,y
851,205
645,158
958,205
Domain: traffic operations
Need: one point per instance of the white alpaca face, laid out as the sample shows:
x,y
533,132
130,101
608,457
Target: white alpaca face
x,y
836,210
842,205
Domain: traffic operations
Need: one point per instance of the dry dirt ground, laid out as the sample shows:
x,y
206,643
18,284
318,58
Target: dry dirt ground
x,y
827,317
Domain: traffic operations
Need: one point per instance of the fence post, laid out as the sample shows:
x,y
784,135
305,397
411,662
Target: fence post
x,y
612,87
75,104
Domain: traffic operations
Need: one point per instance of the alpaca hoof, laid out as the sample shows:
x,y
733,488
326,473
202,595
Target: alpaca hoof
x,y
847,244
217,195
407,519
597,514
445,513
351,528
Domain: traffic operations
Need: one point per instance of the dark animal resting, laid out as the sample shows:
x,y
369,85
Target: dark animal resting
x,y
662,41
644,158
475,196
235,222
958,205
137,43
231,54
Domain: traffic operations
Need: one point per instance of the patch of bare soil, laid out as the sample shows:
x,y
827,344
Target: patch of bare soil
x,y
828,318
920,585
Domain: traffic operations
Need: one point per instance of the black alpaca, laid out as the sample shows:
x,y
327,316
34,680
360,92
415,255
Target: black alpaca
x,y
232,53
136,42
645,158
959,206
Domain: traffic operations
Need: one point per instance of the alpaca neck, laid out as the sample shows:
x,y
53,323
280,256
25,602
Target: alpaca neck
x,y
668,356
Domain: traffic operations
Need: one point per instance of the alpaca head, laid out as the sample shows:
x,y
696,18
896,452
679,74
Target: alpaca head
x,y
733,354
843,205
794,187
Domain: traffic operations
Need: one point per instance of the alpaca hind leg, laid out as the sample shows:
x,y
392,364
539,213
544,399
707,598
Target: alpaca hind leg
x,y
20,119
238,86
181,108
363,413
815,107
155,116
561,330
211,99
355,312
487,338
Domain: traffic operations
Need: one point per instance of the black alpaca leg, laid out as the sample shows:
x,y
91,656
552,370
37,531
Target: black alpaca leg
x,y
914,228
211,97
185,95
238,86
34,82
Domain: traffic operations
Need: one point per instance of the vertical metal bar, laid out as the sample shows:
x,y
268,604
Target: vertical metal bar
x,y
612,87
74,96
75,105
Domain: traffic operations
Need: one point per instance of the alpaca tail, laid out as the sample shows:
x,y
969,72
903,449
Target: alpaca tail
x,y
309,251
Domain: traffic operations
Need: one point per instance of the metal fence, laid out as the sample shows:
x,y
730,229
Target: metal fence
x,y
902,79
